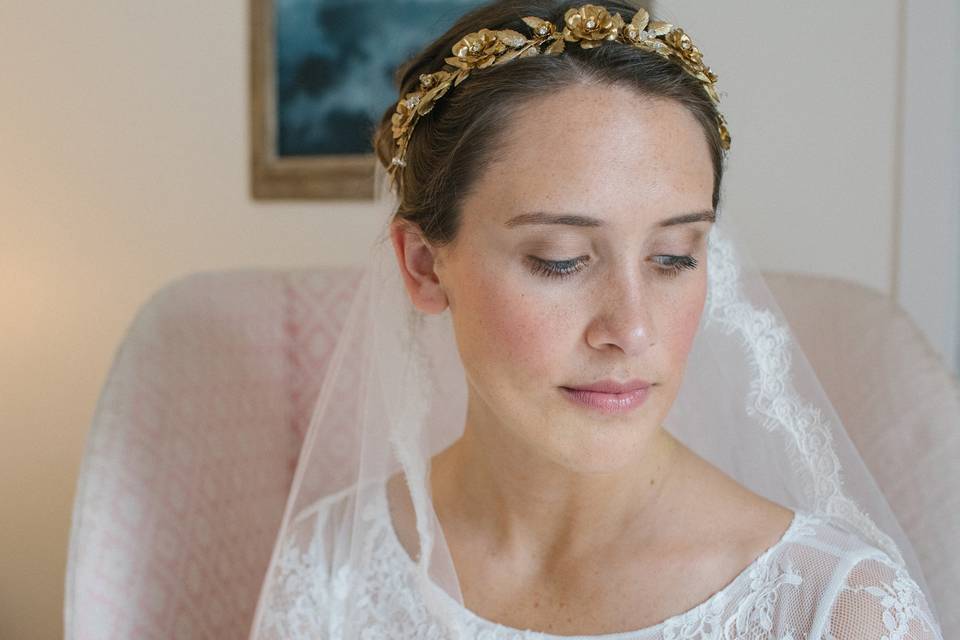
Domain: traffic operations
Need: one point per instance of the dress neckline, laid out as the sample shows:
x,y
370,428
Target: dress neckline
x,y
397,548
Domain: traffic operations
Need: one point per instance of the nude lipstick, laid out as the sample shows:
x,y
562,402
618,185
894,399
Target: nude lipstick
x,y
608,396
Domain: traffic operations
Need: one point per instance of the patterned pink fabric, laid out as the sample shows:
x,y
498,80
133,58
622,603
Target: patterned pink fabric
x,y
193,445
192,452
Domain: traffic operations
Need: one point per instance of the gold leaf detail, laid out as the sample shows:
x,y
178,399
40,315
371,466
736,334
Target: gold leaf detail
x,y
659,28
509,55
456,62
534,22
640,19
511,38
724,132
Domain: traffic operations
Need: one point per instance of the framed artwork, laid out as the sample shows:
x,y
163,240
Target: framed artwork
x,y
321,77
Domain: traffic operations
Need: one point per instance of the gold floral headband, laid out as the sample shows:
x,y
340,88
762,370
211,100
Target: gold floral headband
x,y
590,25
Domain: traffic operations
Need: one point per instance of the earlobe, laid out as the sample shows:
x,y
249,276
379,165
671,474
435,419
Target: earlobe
x,y
416,260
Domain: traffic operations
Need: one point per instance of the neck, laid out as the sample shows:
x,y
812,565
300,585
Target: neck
x,y
499,492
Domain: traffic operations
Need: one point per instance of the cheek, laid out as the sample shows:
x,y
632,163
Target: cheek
x,y
680,327
507,333
512,334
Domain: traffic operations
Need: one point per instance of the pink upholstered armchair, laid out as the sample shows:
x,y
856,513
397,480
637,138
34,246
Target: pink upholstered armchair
x,y
195,439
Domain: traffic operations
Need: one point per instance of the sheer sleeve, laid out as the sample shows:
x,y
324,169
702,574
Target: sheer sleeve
x,y
878,599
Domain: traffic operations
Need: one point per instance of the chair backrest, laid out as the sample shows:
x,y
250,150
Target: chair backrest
x,y
196,434
192,450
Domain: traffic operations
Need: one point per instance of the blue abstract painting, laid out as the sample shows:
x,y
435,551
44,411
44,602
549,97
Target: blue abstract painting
x,y
335,61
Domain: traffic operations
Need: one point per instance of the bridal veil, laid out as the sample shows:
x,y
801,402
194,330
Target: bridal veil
x,y
395,395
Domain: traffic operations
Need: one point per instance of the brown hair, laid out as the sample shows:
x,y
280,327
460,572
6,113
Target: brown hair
x,y
451,144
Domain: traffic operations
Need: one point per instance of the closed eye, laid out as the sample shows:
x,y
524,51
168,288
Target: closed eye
x,y
557,268
676,264
670,266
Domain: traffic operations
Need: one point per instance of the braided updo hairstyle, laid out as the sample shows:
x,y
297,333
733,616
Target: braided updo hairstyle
x,y
450,145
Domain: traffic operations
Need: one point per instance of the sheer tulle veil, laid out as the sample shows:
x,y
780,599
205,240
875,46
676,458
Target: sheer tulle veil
x,y
395,395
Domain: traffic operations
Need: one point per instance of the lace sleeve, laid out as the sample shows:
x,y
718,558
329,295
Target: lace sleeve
x,y
879,599
297,602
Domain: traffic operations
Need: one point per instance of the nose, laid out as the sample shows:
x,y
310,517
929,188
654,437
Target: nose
x,y
624,320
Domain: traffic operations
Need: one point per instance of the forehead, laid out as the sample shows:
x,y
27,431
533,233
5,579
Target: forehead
x,y
607,151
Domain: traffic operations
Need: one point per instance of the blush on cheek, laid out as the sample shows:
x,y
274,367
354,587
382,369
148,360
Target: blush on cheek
x,y
684,325
512,334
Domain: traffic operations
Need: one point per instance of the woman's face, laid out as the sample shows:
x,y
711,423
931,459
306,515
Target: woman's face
x,y
611,291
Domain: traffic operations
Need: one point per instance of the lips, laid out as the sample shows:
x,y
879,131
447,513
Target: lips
x,y
608,396
611,386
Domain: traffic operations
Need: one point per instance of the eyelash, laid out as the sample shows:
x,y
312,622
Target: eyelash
x,y
565,268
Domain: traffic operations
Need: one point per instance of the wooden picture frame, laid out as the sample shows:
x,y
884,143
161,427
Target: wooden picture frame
x,y
348,52
274,177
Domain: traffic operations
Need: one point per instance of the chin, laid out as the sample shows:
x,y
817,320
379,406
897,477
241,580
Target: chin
x,y
600,447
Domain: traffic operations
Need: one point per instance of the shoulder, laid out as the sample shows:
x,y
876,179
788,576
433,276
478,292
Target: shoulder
x,y
816,541
863,592
878,598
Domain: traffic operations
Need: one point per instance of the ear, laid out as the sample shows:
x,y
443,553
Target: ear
x,y
417,262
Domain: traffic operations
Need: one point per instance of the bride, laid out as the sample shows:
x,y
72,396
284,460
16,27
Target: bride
x,y
564,405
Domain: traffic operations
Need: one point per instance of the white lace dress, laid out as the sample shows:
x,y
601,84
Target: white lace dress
x,y
817,582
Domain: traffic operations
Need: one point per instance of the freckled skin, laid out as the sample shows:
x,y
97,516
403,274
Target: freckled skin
x,y
558,518
522,336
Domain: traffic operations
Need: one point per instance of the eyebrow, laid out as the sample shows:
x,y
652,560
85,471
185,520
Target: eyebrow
x,y
576,220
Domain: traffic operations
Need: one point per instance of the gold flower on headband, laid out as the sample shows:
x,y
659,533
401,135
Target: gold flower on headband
x,y
681,43
541,28
645,34
544,30
480,50
435,85
591,25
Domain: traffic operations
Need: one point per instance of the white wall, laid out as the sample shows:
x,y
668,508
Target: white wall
x,y
846,141
928,260
123,155
811,170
